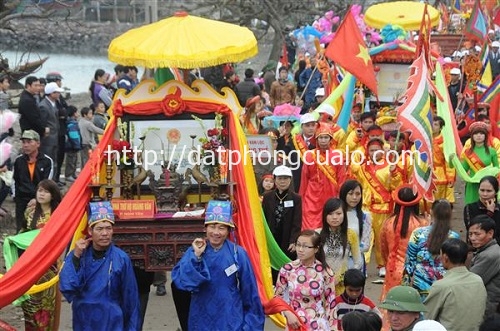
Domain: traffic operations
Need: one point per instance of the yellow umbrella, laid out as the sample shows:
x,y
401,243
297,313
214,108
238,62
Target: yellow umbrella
x,y
183,41
406,14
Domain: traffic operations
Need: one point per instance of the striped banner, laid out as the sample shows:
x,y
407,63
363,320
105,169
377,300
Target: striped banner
x,y
415,116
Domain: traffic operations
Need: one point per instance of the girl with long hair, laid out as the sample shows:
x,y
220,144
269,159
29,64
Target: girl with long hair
x,y
423,263
339,242
478,156
351,193
308,285
396,233
41,309
48,197
250,120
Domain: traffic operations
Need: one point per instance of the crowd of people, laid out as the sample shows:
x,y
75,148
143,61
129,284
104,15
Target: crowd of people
x,y
329,217
326,216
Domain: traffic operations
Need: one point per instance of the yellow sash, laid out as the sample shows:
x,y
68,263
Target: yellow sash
x,y
326,168
475,163
370,174
300,145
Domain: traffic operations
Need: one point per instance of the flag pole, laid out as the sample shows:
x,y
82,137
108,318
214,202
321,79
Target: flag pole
x,y
320,58
309,81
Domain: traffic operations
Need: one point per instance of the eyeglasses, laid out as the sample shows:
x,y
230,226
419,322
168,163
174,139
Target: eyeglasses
x,y
297,245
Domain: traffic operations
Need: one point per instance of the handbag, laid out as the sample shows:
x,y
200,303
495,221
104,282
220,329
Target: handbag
x,y
7,177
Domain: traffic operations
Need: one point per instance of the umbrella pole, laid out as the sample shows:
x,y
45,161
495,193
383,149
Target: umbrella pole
x,y
185,75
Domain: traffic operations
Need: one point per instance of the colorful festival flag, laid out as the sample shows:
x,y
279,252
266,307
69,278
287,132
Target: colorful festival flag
x,y
496,20
457,6
485,50
486,76
445,16
334,79
445,111
476,27
415,116
492,91
349,50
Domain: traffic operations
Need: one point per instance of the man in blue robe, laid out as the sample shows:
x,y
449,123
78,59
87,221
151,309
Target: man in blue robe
x,y
218,273
98,279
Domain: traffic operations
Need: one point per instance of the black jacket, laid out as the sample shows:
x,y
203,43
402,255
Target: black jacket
x,y
24,187
245,90
62,109
31,118
287,231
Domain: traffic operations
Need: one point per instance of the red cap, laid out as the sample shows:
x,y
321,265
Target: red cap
x,y
251,101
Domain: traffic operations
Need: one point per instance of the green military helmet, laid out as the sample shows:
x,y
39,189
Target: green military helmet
x,y
403,298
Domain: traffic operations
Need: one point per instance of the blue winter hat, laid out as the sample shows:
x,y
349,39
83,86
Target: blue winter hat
x,y
101,211
219,212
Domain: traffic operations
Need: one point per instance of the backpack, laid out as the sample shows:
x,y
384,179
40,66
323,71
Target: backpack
x,y
73,137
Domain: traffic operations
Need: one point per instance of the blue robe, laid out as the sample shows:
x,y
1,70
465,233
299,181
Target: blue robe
x,y
103,291
216,302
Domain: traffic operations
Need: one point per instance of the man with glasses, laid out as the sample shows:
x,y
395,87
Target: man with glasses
x,y
403,308
98,279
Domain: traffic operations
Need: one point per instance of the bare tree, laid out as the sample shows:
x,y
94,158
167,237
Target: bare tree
x,y
262,16
19,9
266,15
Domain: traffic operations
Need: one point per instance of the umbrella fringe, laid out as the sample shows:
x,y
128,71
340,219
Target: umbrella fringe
x,y
127,60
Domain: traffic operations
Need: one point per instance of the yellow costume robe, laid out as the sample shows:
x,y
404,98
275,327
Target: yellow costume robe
x,y
378,182
444,174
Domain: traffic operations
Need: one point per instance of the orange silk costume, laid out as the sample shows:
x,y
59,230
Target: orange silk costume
x,y
394,249
444,175
253,125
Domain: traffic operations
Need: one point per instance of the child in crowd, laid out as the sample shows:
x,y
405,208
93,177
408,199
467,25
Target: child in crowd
x,y
73,144
267,184
353,298
88,131
100,118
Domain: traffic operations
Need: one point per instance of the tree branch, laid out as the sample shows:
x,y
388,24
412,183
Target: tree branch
x,y
4,21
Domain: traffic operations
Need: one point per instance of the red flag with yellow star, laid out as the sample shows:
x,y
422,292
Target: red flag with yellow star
x,y
348,50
